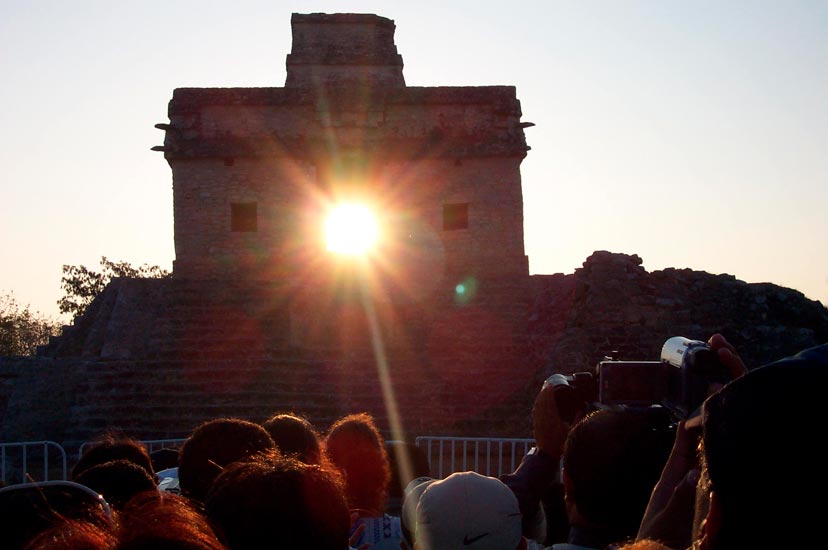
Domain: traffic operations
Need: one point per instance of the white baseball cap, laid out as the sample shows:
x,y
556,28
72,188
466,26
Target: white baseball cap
x,y
468,511
408,516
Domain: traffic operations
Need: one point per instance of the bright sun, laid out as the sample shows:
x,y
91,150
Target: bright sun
x,y
350,229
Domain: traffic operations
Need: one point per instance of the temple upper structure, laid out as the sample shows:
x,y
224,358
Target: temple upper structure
x,y
343,48
255,169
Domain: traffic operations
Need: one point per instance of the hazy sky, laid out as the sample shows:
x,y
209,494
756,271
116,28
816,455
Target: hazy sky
x,y
694,134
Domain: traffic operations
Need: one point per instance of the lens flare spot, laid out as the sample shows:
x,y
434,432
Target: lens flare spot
x,y
465,291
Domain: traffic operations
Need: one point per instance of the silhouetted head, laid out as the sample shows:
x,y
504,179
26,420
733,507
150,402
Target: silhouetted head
x,y
355,446
213,446
469,511
72,534
113,446
150,521
280,501
611,462
118,481
294,436
762,452
164,521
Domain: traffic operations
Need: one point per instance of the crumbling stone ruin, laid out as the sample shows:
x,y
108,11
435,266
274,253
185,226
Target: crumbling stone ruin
x,y
260,317
613,304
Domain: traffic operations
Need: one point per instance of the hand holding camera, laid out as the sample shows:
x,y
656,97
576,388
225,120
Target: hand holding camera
x,y
548,427
688,371
727,356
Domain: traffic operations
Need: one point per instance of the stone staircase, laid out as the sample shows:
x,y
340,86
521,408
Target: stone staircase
x,y
156,357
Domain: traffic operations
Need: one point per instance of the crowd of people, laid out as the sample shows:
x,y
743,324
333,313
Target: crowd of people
x,y
744,473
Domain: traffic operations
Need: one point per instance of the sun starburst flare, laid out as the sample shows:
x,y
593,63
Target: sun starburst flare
x,y
351,229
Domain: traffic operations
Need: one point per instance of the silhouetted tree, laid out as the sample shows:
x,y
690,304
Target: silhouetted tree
x,y
21,329
81,285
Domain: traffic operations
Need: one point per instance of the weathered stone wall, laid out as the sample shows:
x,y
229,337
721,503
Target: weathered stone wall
x,y
203,192
148,343
416,157
323,43
409,198
613,304
156,357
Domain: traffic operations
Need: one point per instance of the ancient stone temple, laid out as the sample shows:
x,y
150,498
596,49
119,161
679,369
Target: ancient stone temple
x,y
259,315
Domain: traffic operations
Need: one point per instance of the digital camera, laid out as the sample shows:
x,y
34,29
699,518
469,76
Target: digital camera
x,y
679,382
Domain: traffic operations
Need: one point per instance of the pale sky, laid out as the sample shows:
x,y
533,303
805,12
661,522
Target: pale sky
x,y
694,134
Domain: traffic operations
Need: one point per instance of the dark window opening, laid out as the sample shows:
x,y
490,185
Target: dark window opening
x,y
455,216
243,217
229,161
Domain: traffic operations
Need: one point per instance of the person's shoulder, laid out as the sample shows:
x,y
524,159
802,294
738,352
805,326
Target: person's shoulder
x,y
816,356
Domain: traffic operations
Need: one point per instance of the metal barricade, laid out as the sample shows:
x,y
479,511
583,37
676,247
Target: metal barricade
x,y
152,445
491,456
158,444
32,461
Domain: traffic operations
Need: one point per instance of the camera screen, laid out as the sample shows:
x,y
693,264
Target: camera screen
x,y
636,383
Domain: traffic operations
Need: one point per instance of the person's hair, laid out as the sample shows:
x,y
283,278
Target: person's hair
x,y
644,544
294,436
150,521
762,453
279,502
164,521
118,481
355,446
73,534
214,445
113,446
612,460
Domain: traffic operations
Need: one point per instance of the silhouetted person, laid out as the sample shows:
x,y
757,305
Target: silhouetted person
x,y
761,463
294,436
163,521
356,448
113,446
611,461
270,501
150,521
762,454
118,481
214,445
468,511
536,482
70,534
